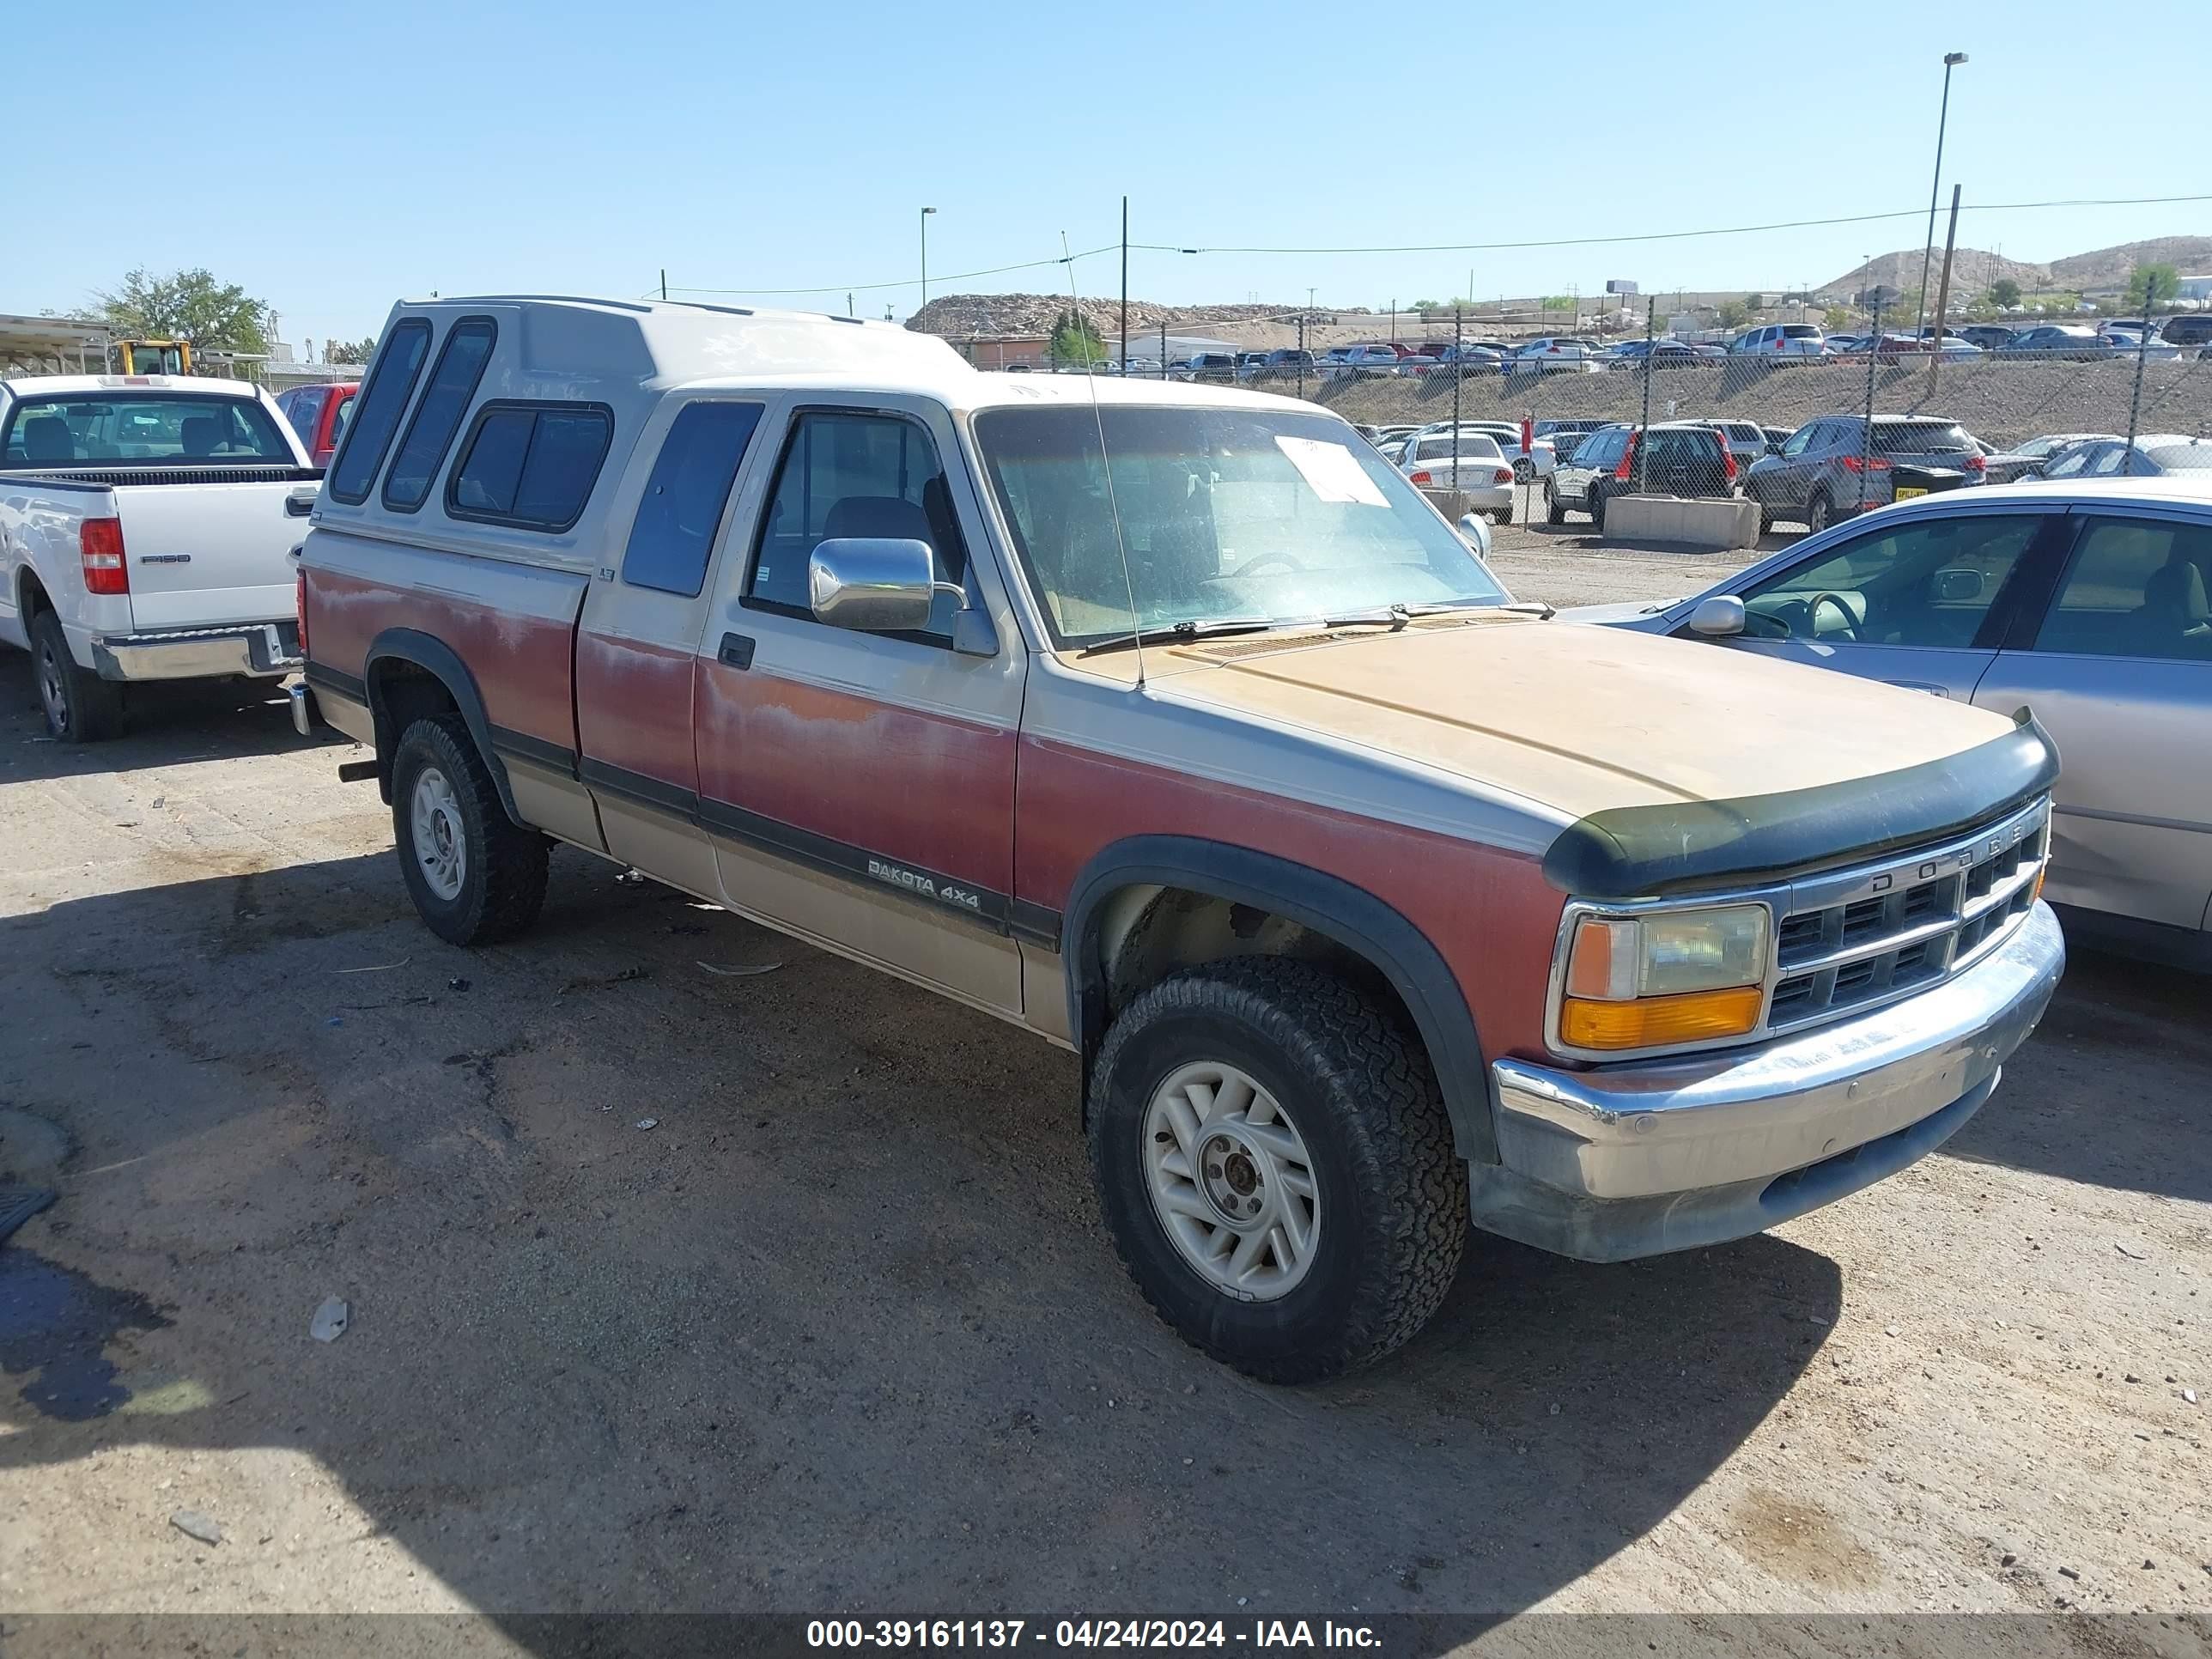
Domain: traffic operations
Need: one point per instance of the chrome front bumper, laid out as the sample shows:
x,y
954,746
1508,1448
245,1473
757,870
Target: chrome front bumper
x,y
262,649
1673,1154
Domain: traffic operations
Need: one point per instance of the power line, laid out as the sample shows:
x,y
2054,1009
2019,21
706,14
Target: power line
x,y
1678,235
905,282
1450,247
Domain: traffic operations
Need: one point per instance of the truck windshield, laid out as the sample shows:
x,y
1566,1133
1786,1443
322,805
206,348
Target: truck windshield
x,y
1224,513
153,429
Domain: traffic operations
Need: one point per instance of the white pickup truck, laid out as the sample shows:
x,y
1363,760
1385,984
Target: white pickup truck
x,y
145,522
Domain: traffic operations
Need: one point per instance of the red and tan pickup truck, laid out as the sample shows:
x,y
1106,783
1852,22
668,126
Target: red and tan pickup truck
x,y
1170,723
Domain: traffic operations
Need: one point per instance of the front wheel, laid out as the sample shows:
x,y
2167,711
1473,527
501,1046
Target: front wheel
x,y
1819,515
1275,1164
1597,509
1554,512
475,874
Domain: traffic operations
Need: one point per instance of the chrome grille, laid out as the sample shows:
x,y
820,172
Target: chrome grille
x,y
1866,935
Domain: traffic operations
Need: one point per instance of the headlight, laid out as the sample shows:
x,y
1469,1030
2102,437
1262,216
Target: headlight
x,y
1653,980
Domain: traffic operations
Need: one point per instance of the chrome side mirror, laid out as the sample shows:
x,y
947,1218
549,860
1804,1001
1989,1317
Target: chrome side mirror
x,y
1476,534
1719,617
874,583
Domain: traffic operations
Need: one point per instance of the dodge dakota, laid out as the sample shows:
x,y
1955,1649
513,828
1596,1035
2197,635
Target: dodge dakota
x,y
1169,723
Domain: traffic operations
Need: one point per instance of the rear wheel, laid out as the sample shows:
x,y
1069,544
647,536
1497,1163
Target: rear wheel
x,y
1554,513
1597,508
1275,1164
80,706
475,874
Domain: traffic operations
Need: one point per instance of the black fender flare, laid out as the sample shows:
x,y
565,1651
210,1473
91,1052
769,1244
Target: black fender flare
x,y
443,663
1323,904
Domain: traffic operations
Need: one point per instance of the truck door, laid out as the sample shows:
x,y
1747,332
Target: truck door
x,y
637,648
858,788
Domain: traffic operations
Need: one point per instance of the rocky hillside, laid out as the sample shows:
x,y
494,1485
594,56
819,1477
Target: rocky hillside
x,y
2189,255
969,316
1974,266
2104,267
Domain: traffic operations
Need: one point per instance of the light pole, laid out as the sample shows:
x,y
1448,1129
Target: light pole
x,y
925,212
1951,61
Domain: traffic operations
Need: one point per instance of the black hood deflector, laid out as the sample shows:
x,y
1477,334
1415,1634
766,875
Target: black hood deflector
x,y
1644,852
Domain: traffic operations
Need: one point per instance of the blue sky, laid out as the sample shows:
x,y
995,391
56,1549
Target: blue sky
x,y
332,159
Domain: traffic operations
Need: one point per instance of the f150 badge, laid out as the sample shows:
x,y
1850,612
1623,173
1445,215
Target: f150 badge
x,y
924,886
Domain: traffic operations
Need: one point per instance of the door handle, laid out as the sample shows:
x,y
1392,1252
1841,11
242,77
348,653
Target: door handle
x,y
736,650
298,507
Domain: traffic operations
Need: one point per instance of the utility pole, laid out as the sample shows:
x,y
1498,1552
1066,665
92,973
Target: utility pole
x,y
1124,288
1943,294
1866,432
1459,370
663,284
1951,61
1643,433
925,212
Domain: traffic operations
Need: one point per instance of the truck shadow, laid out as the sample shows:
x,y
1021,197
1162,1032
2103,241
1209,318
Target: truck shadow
x,y
177,724
2111,1090
840,1331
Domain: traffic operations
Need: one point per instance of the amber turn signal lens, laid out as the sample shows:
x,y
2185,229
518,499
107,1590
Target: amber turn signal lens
x,y
1656,1022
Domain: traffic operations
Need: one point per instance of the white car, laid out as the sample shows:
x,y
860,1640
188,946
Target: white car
x,y
1559,354
1470,462
1779,340
145,525
1538,463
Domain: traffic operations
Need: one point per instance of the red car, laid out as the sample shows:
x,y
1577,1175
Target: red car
x,y
317,414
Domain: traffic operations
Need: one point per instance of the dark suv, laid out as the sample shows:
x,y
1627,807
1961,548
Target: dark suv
x,y
1680,457
1831,468
2194,328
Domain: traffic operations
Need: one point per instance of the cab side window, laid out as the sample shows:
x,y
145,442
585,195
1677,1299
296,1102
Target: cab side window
x,y
1930,583
673,535
855,475
2136,588
1803,439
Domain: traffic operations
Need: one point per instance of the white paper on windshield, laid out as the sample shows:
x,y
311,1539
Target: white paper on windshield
x,y
1331,472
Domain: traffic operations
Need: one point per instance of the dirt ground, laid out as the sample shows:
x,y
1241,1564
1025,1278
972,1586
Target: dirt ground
x,y
671,1289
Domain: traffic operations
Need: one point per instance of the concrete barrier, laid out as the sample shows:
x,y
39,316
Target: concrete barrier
x,y
1713,524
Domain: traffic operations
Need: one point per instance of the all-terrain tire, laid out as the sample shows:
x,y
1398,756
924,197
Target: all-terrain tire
x,y
80,706
502,866
1391,1217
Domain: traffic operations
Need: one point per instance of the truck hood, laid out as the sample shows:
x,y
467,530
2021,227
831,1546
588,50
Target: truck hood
x,y
1581,721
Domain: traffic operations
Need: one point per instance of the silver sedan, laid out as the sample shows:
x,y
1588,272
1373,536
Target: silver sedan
x,y
2084,604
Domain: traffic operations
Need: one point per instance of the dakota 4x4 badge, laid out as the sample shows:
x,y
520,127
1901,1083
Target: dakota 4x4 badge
x,y
925,886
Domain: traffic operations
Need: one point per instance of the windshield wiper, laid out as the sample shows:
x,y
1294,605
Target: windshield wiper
x,y
1181,633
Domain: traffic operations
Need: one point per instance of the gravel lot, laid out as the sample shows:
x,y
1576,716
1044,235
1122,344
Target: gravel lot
x,y
840,1332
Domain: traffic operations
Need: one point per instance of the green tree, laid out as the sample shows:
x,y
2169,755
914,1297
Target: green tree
x,y
1425,306
350,351
1837,318
1074,340
1732,314
1559,302
2151,286
2004,293
188,305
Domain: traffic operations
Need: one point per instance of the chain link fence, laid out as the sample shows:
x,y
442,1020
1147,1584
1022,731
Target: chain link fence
x,y
1817,424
